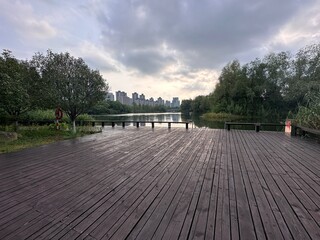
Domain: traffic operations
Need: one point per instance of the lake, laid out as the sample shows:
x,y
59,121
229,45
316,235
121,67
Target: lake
x,y
197,122
148,117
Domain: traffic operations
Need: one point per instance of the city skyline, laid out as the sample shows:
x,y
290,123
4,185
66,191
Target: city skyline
x,y
141,99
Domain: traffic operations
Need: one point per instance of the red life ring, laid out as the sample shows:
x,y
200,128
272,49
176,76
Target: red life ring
x,y
59,114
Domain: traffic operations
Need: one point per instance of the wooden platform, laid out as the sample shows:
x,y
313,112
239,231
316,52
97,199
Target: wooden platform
x,y
163,184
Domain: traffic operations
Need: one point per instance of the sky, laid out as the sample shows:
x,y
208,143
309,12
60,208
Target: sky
x,y
162,48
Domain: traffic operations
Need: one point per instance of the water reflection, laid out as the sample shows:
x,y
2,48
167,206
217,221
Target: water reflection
x,y
142,117
176,117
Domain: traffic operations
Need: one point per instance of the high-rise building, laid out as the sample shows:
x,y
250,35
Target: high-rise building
x,y
109,96
175,102
160,101
135,98
151,101
123,98
141,100
142,97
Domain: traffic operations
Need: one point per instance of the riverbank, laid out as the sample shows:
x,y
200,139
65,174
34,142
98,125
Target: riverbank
x,y
33,136
221,117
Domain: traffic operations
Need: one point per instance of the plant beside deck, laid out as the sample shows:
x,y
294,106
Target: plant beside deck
x,y
31,136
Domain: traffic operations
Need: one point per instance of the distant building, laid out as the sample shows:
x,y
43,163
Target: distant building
x,y
160,101
142,97
110,96
135,98
123,98
175,102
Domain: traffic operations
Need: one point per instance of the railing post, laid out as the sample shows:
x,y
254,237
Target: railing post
x,y
169,125
257,126
123,124
293,130
137,124
102,124
112,124
187,125
93,124
228,126
152,124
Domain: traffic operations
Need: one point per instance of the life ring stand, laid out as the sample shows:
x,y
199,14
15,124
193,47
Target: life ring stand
x,y
59,114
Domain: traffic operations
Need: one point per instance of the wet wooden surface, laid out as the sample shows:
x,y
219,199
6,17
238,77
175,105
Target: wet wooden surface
x,y
163,184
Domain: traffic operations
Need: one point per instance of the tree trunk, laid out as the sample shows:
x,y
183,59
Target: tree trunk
x,y
16,126
74,126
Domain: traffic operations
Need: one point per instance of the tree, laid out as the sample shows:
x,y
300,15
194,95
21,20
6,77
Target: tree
x,y
17,85
223,93
71,84
185,106
306,74
200,105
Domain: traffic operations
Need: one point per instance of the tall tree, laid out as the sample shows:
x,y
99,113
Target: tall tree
x,y
17,85
307,74
71,84
222,95
185,106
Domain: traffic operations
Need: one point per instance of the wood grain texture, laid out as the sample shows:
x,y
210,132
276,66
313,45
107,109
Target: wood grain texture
x,y
163,184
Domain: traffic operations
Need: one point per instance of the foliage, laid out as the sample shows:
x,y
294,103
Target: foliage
x,y
17,85
269,87
32,136
147,109
220,116
186,106
309,116
115,107
41,116
71,84
49,116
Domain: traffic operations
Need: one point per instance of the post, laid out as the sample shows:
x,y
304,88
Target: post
x,y
113,124
257,126
187,125
93,124
228,126
102,124
152,124
123,124
137,124
169,125
293,130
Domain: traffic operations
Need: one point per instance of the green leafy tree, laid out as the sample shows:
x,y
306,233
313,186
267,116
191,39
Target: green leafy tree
x,y
306,77
186,106
309,115
200,105
17,85
70,83
223,93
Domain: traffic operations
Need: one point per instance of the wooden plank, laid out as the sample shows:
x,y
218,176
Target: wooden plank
x,y
130,222
161,184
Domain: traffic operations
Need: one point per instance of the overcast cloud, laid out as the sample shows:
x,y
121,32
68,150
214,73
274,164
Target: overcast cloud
x,y
161,48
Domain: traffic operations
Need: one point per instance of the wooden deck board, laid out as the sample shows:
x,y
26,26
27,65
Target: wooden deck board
x,y
163,184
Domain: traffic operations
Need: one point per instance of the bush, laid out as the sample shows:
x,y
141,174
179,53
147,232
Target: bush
x,y
309,116
38,116
221,116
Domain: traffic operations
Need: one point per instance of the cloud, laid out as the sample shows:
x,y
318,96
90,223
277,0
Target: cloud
x,y
165,48
147,61
302,30
204,34
25,22
95,57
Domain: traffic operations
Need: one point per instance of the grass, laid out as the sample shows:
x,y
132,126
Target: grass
x,y
33,136
221,117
